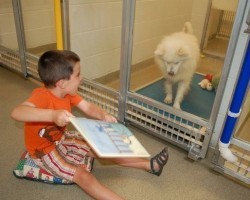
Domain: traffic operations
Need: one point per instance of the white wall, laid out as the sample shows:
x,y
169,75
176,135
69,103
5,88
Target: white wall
x,y
95,34
157,18
95,29
198,17
39,26
7,25
39,22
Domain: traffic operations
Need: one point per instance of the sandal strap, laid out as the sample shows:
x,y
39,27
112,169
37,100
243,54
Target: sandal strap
x,y
161,160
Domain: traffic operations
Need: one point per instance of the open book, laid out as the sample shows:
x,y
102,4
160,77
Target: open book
x,y
109,139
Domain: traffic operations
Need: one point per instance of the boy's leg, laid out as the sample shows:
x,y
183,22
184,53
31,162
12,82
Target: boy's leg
x,y
154,165
54,162
92,186
139,163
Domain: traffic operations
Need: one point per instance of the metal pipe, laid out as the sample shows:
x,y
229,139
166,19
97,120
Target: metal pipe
x,y
18,18
65,24
128,14
58,24
235,108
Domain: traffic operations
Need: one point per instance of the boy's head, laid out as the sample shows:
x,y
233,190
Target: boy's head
x,y
56,65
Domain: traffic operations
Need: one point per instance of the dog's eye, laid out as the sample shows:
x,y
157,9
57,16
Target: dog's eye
x,y
177,62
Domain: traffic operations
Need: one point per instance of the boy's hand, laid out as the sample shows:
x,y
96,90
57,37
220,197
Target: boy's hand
x,y
61,117
109,118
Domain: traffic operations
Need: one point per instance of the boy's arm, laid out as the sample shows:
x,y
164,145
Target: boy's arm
x,y
27,112
95,112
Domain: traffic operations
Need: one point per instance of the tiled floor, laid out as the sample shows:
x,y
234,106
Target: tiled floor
x,y
217,47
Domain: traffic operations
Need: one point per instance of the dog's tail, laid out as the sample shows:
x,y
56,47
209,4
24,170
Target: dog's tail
x,y
187,28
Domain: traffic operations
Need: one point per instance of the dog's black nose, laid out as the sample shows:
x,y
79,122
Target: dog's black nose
x,y
171,73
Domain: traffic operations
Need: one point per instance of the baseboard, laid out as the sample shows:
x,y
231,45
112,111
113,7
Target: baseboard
x,y
116,74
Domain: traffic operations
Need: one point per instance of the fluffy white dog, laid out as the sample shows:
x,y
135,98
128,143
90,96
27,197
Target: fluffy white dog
x,y
177,56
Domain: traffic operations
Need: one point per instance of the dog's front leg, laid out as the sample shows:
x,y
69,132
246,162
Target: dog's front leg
x,y
169,94
183,88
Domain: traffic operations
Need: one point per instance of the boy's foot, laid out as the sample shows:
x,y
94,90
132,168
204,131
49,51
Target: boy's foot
x,y
158,162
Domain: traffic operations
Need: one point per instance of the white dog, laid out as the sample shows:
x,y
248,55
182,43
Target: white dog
x,y
177,56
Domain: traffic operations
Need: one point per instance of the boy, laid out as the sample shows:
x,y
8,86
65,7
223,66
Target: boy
x,y
46,113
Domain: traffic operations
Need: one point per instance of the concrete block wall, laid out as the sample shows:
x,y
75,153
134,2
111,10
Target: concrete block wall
x,y
95,29
39,25
8,36
39,22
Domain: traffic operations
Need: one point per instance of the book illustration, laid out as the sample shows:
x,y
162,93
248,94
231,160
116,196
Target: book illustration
x,y
109,139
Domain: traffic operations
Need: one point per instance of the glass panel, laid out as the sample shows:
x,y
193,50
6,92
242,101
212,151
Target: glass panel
x,y
243,124
155,19
95,34
39,25
8,36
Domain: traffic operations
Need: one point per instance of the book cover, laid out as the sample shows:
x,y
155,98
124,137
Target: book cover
x,y
109,139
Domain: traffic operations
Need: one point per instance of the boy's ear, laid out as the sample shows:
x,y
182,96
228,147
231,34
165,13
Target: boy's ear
x,y
60,84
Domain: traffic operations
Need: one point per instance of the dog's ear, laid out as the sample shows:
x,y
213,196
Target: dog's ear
x,y
187,28
160,51
183,52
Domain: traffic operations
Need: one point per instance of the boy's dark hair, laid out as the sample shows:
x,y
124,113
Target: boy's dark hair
x,y
55,65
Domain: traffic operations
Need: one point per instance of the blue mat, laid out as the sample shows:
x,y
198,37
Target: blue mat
x,y
198,101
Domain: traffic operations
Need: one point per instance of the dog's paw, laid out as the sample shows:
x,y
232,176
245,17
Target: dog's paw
x,y
177,106
168,100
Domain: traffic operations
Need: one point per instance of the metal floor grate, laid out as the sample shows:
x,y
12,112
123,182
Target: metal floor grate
x,y
10,59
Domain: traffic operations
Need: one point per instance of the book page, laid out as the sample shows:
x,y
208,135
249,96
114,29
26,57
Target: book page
x,y
109,139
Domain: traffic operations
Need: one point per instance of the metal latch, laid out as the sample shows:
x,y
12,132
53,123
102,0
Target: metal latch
x,y
248,23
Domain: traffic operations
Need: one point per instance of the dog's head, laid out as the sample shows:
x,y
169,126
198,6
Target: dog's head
x,y
171,56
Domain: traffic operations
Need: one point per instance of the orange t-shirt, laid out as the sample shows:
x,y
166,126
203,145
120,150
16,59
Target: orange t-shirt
x,y
40,137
